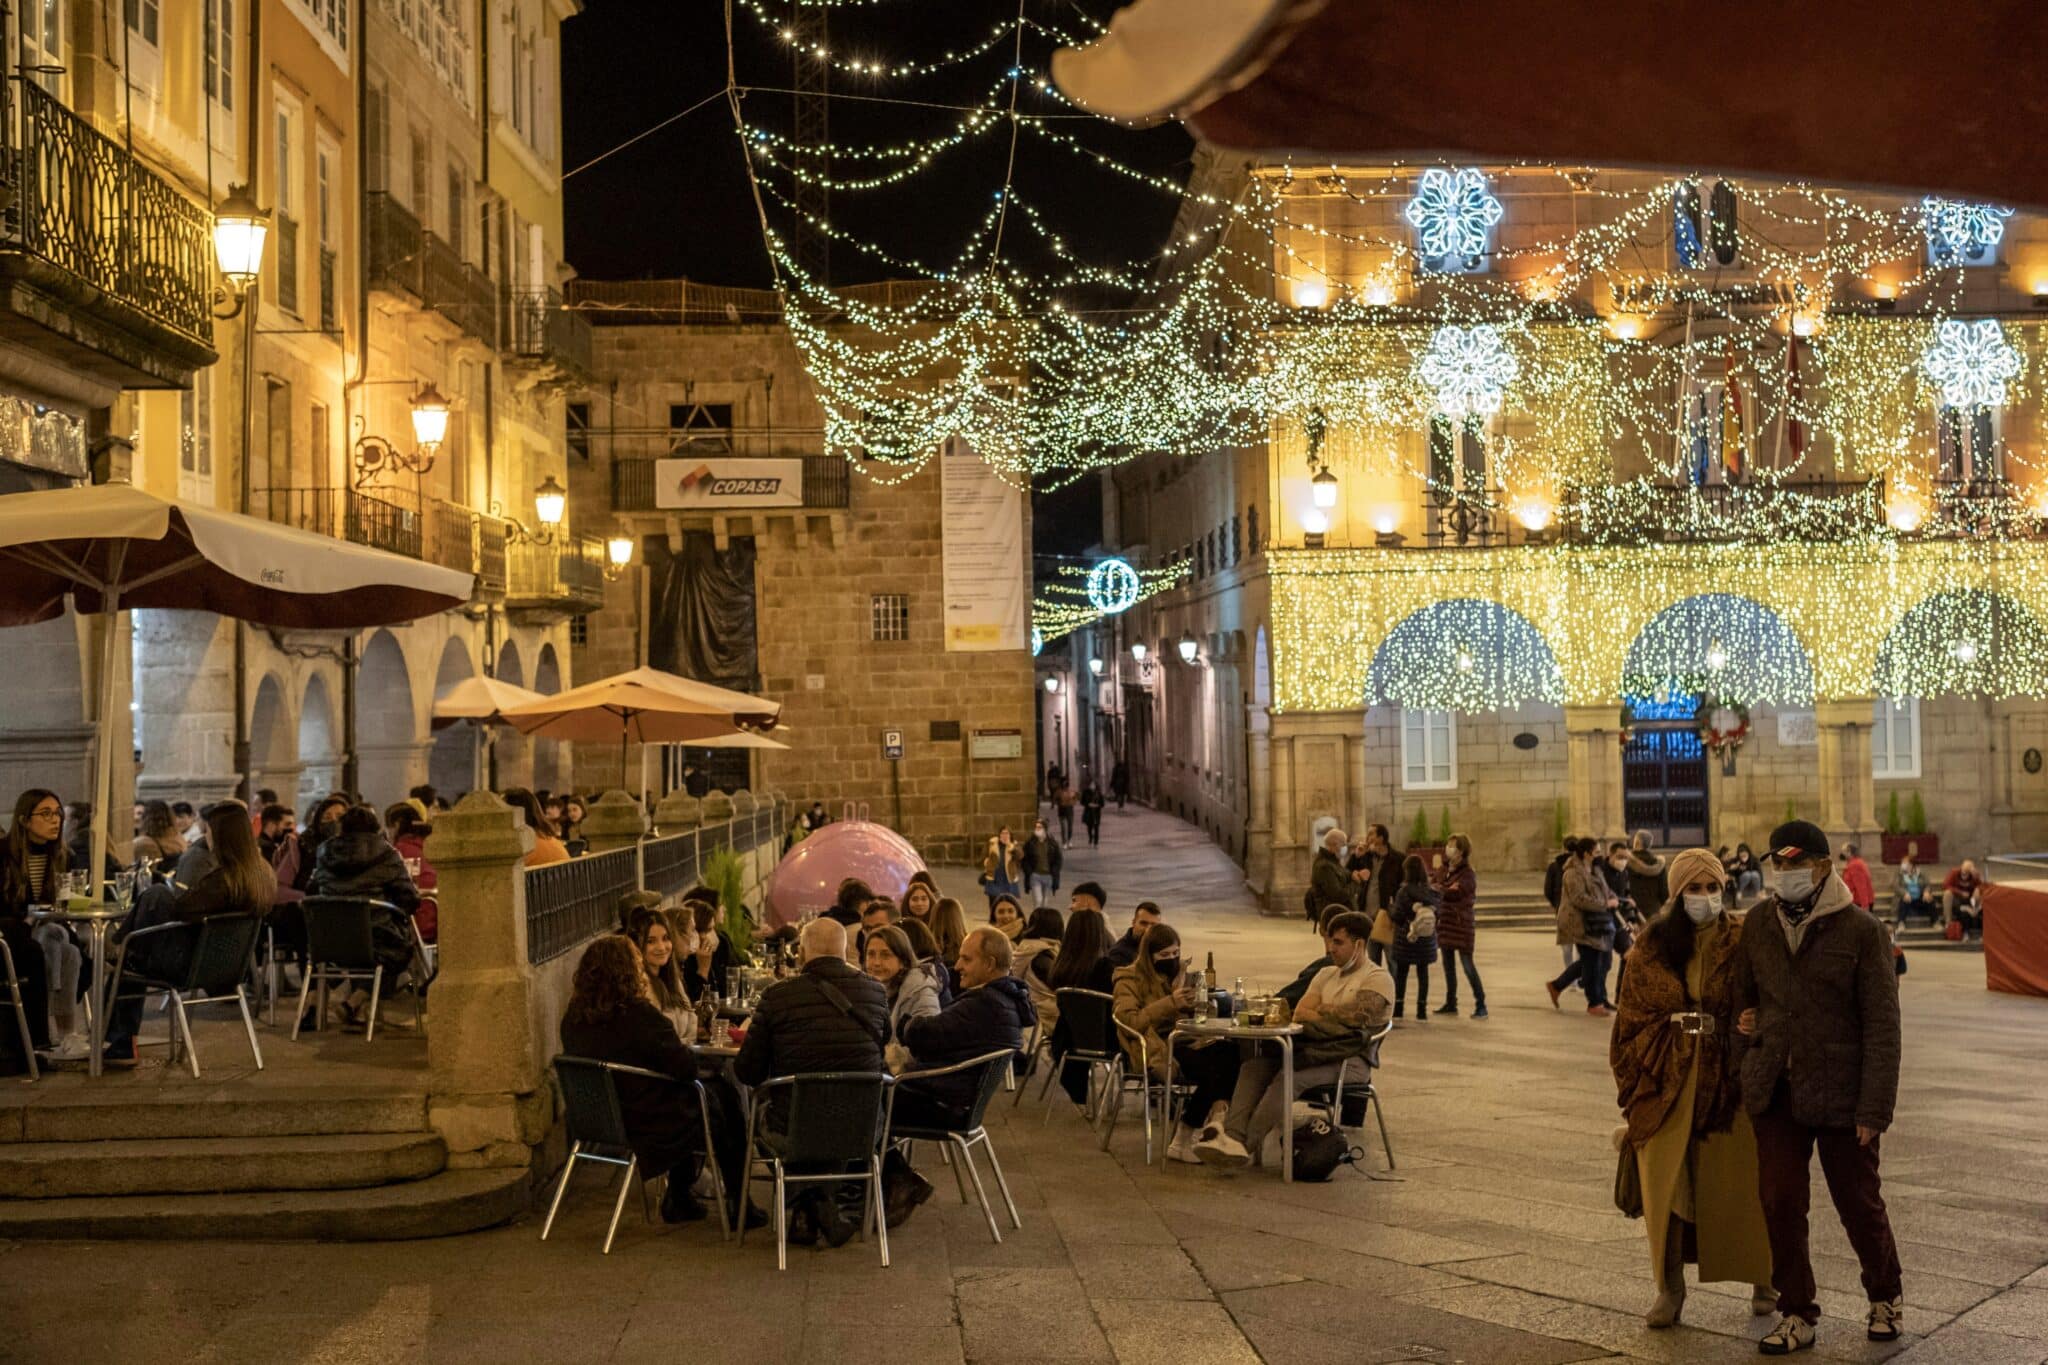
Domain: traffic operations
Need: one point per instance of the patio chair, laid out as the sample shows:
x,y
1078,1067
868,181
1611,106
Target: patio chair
x,y
214,973
1152,1091
832,1121
1091,1038
1335,1099
340,948
597,1132
28,1048
966,1134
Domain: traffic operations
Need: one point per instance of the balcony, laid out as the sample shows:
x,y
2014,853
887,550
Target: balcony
x,y
546,583
400,521
827,486
1992,506
458,292
1681,514
1464,517
105,266
396,245
537,328
490,559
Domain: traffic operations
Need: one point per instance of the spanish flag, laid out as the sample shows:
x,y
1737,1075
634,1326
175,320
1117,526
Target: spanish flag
x,y
1732,461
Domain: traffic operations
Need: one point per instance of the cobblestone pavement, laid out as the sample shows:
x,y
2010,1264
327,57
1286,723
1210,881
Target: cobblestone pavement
x,y
1493,1241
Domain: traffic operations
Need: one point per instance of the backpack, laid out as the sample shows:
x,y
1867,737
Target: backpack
x,y
1553,882
1423,925
1319,1150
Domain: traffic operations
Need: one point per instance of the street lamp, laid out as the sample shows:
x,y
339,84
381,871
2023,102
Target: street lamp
x,y
618,553
429,419
1138,650
1095,666
550,503
374,455
1323,487
239,231
1052,682
1188,647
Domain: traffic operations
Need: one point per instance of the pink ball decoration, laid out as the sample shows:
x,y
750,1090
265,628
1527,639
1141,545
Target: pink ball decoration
x,y
808,877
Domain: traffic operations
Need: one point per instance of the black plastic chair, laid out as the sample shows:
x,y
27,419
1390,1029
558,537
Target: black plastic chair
x,y
222,949
1091,1037
597,1132
831,1120
1331,1098
341,947
28,1048
970,1131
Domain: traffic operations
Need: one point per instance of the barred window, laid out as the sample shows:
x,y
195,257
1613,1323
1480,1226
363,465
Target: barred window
x,y
579,631
889,616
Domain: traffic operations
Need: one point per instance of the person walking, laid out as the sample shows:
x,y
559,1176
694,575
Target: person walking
x,y
1065,800
1120,782
1457,923
1002,867
1856,876
1585,920
1414,945
1674,1073
1329,882
1091,812
1818,1009
1041,865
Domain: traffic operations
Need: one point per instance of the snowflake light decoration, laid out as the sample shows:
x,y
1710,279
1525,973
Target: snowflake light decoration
x,y
1113,587
1453,213
1958,229
1970,363
1467,369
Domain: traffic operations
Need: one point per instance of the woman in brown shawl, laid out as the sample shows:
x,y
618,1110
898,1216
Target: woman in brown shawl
x,y
1692,1143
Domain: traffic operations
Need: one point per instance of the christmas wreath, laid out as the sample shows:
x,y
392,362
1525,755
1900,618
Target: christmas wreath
x,y
1722,725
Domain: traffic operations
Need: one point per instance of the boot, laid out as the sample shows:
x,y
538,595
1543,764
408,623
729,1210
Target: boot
x,y
1671,1293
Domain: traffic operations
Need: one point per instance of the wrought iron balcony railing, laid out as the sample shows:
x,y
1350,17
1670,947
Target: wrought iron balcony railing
x,y
538,327
82,203
1464,517
385,519
395,239
562,578
457,291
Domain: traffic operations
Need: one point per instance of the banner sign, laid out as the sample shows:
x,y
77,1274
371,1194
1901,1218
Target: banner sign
x,y
721,483
984,553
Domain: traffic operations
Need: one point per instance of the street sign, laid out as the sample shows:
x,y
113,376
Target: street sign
x,y
996,744
892,744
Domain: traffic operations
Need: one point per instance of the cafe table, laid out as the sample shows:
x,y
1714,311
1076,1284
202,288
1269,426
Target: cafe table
x,y
1233,1031
98,919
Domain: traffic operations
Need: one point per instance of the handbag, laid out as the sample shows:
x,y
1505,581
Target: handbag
x,y
1382,929
1628,1183
1319,1150
1953,931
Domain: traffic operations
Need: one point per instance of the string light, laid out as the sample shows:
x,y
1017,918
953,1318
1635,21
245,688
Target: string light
x,y
1066,599
1113,586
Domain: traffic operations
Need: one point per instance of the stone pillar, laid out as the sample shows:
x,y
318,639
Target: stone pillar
x,y
613,821
678,813
1258,851
1848,795
1593,754
488,1065
1354,781
1285,838
717,808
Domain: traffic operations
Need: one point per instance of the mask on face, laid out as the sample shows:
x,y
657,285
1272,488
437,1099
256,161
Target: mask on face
x,y
1794,884
1167,967
1700,909
1619,864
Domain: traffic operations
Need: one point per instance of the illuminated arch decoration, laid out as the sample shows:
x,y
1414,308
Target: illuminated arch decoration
x,y
1113,586
1464,655
1722,646
1067,600
1965,642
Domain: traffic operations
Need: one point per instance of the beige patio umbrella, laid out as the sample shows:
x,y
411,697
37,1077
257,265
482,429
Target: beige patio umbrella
x,y
111,547
645,706
482,700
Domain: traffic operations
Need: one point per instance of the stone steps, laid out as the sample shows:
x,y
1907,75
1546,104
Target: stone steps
x,y
438,1206
217,1165
111,1112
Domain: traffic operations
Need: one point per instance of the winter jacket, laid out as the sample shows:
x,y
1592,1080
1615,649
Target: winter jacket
x,y
798,1027
1649,882
1124,951
1297,988
1331,883
1856,876
696,980
1386,880
1651,1056
1000,872
1415,952
987,1019
1042,857
364,865
661,1119
1033,966
916,997
1456,921
1582,914
428,916
1827,1003
193,864
1148,1007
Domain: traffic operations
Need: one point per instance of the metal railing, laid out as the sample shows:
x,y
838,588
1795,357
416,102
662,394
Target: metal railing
x,y
450,538
827,484
671,863
1464,517
1988,506
565,577
457,291
396,245
537,327
570,903
1644,513
385,518
673,302
84,205
490,557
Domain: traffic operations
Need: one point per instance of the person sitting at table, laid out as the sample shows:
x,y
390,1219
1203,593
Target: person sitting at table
x,y
157,841
33,874
1041,938
1350,998
1962,898
661,948
928,957
547,846
407,826
359,861
889,959
1144,915
1151,996
1005,914
875,914
1912,897
1082,964
920,896
612,1017
1297,988
708,955
323,822
851,898
949,928
240,882
828,1017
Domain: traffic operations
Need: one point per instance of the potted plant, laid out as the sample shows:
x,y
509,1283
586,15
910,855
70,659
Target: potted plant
x,y
1419,842
1908,835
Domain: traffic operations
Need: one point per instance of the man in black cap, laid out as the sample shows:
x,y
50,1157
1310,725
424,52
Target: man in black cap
x,y
1819,1012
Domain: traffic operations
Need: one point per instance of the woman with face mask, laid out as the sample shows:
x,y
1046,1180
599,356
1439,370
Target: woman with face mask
x,y
1681,1094
1151,995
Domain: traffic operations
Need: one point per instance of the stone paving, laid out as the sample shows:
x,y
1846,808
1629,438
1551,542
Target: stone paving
x,y
1493,1241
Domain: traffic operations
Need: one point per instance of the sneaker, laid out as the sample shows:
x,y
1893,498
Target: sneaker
x,y
1222,1150
1598,1011
75,1047
1886,1319
1555,991
1793,1333
1448,1007
1182,1148
1479,1013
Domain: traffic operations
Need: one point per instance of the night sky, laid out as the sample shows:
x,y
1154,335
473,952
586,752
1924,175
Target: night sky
x,y
677,202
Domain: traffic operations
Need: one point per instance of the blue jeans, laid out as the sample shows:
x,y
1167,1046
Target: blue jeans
x,y
1590,972
1041,888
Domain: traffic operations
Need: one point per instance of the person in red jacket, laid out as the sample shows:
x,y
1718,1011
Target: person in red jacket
x,y
1856,876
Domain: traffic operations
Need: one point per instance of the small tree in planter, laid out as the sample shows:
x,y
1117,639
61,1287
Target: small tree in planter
x,y
1419,842
1418,834
1909,835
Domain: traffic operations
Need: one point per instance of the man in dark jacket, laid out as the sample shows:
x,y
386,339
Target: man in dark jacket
x,y
990,1014
1329,880
1124,951
1819,1008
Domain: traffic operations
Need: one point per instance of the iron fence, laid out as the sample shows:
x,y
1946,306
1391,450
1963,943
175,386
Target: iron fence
x,y
457,291
536,326
395,244
570,903
565,576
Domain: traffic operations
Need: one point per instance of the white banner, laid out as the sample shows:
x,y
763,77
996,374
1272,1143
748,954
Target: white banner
x,y
720,483
987,597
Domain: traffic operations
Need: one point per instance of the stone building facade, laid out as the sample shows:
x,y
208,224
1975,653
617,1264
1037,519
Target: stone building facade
x,y
848,614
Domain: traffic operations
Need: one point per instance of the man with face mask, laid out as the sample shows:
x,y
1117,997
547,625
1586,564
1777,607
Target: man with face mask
x,y
1819,1016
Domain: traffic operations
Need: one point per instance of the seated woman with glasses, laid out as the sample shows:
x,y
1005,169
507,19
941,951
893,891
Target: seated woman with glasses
x,y
44,955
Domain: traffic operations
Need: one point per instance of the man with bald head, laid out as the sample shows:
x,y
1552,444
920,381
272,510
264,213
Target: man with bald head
x,y
828,1017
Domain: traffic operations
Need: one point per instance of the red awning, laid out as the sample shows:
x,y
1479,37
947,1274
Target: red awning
x,y
1895,94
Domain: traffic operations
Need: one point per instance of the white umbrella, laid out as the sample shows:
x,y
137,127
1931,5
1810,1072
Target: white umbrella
x,y
482,700
111,547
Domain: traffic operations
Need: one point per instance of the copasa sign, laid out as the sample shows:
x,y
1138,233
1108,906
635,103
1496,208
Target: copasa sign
x,y
722,484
